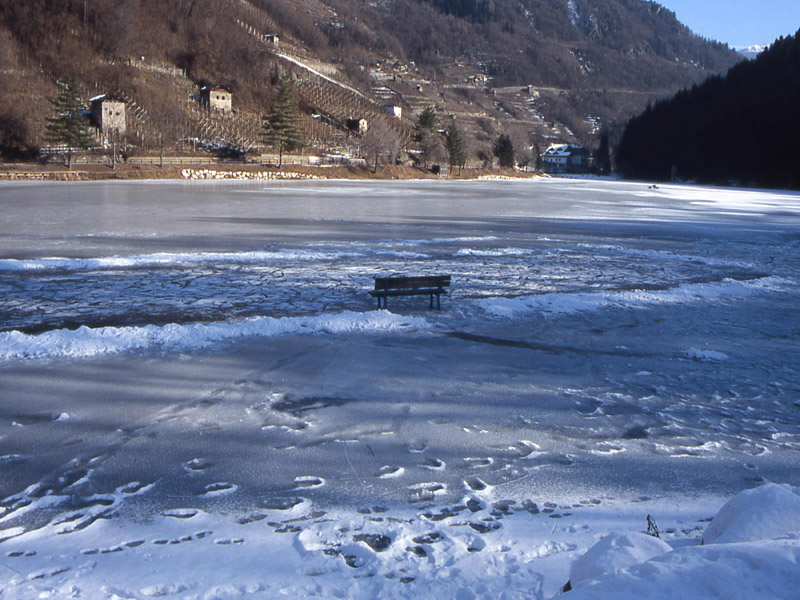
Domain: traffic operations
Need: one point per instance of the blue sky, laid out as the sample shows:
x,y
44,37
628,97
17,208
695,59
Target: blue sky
x,y
738,22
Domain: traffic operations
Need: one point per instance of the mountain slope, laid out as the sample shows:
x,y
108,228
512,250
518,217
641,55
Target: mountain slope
x,y
543,70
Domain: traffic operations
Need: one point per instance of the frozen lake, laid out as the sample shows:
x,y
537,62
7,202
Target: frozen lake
x,y
176,351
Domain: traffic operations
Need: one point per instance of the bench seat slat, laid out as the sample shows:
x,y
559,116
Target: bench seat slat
x,y
411,292
383,283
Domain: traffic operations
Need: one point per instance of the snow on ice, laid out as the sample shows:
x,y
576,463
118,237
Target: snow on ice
x,y
199,400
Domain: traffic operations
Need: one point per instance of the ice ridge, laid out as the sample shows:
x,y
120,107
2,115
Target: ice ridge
x,y
568,303
86,341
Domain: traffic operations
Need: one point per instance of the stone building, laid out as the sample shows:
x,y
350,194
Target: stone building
x,y
108,115
217,97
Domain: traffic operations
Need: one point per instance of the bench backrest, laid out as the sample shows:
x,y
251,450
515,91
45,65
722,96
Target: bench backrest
x,y
411,283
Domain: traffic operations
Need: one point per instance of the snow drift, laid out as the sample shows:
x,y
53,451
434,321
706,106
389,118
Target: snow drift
x,y
751,550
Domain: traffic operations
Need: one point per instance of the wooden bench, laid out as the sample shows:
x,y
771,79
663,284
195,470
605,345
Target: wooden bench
x,y
411,286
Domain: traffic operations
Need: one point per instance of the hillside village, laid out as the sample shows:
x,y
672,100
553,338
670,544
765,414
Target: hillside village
x,y
336,118
212,104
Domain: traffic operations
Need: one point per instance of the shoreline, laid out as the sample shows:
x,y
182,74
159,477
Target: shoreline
x,y
222,171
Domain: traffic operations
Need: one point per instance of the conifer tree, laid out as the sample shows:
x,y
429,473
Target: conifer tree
x,y
429,140
455,147
503,149
282,128
602,157
427,119
68,126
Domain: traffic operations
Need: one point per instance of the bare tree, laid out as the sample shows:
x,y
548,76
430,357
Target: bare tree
x,y
432,146
380,142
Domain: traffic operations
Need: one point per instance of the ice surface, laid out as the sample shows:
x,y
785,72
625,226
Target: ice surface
x,y
199,399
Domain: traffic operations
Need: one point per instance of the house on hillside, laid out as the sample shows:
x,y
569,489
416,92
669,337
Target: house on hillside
x,y
107,112
393,110
217,98
359,126
565,158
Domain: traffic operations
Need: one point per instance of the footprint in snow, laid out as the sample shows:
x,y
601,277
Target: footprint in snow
x,y
428,538
593,501
308,481
219,489
23,420
485,527
525,448
445,513
589,407
163,542
198,464
475,484
251,518
162,590
228,541
47,573
417,447
503,507
530,506
282,503
475,463
376,541
474,543
425,492
389,472
607,449
181,513
433,464
134,487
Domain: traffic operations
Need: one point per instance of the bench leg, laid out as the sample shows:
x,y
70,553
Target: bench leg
x,y
431,305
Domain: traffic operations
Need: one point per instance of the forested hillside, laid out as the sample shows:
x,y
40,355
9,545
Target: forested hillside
x,y
541,70
743,127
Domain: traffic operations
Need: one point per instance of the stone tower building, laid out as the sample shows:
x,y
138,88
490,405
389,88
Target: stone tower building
x,y
218,98
108,115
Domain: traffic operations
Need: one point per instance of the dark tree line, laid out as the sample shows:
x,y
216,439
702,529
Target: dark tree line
x,y
743,127
479,11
